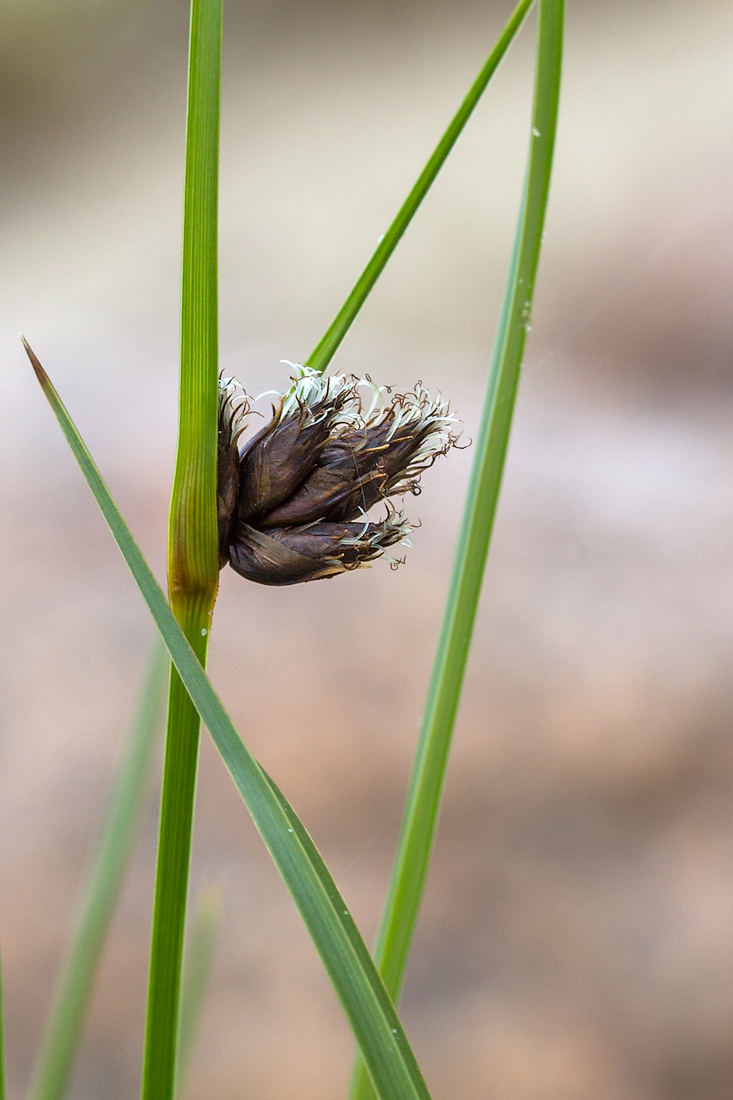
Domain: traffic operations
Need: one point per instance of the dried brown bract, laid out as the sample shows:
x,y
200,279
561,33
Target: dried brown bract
x,y
293,503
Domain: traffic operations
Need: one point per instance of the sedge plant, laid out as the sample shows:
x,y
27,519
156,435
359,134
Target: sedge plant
x,y
366,987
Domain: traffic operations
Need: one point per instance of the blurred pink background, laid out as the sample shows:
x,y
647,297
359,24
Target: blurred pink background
x,y
577,933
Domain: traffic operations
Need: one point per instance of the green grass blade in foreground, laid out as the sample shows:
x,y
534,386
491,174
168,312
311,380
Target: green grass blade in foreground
x,y
365,1001
193,553
2,1036
325,350
410,870
196,968
73,993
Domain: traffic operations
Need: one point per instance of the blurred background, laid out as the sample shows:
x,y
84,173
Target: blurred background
x,y
577,933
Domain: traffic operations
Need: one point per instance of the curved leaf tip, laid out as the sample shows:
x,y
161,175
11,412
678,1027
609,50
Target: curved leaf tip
x,y
40,372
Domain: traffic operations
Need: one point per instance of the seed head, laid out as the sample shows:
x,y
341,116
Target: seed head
x,y
293,503
232,411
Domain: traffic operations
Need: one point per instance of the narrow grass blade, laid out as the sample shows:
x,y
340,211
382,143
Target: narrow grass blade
x,y
366,1004
2,1036
410,870
193,555
325,350
196,967
71,1002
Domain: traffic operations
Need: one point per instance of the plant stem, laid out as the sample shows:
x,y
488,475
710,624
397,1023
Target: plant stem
x,y
193,566
418,830
171,887
325,350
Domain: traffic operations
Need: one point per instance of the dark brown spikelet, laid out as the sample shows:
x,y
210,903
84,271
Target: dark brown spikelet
x,y
288,555
293,505
282,454
231,415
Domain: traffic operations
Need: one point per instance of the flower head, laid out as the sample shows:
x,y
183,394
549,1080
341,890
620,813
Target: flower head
x,y
293,503
232,411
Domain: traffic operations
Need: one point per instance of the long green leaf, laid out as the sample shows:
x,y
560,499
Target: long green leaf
x,y
367,1005
423,800
325,350
73,993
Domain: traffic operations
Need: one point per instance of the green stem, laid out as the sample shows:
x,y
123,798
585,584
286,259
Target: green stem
x,y
325,350
193,565
193,559
171,887
63,1032
411,865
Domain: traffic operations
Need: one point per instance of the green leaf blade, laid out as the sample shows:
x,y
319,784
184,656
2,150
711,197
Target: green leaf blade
x,y
423,799
360,989
325,350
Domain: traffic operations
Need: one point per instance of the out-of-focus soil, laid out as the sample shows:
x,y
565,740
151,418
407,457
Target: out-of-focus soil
x,y
577,934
